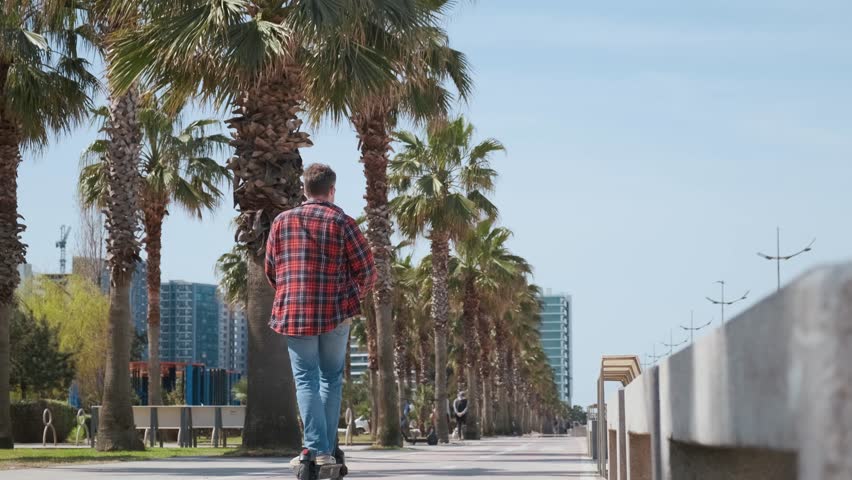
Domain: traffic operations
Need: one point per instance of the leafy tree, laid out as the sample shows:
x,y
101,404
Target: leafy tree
x,y
39,365
138,346
240,390
578,414
79,310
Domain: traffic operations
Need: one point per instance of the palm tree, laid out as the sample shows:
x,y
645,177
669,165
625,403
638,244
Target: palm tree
x,y
442,184
44,89
108,20
488,272
415,47
176,169
405,292
422,328
255,57
232,270
528,370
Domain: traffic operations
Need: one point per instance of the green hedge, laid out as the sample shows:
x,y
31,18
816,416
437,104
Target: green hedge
x,y
27,425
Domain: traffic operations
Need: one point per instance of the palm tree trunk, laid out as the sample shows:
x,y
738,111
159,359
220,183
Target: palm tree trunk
x,y
424,354
369,308
488,407
347,367
374,142
418,373
11,251
400,355
155,212
116,430
440,246
470,312
501,379
485,370
271,418
267,170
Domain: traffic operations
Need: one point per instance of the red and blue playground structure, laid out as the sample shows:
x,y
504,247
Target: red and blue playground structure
x,y
201,385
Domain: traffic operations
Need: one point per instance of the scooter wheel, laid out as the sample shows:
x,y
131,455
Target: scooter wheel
x,y
344,470
303,472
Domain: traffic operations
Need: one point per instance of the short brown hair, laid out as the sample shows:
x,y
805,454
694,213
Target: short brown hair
x,y
319,179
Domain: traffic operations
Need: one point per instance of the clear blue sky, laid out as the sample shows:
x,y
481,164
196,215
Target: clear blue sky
x,y
653,147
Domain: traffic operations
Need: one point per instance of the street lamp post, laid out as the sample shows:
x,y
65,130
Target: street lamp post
x,y
778,257
722,301
672,345
692,328
654,356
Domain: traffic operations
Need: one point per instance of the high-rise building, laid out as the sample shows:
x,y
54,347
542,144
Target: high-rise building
x,y
556,339
357,357
139,299
233,337
189,323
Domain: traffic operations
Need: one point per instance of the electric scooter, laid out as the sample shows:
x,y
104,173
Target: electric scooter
x,y
309,470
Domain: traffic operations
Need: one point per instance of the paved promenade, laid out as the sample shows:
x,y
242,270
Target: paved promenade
x,y
516,458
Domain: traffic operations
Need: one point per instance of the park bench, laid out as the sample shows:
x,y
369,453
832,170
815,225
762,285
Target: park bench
x,y
186,419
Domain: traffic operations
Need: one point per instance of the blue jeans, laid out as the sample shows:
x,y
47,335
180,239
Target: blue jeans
x,y
318,363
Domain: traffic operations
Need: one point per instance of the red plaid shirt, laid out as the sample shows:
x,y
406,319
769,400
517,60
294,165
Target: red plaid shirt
x,y
320,265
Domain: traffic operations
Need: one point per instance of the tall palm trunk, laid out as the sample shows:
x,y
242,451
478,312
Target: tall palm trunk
x,y
154,211
425,357
440,246
487,407
485,370
347,366
504,416
400,361
369,308
509,388
267,170
418,367
11,251
470,312
116,430
374,142
271,418
499,377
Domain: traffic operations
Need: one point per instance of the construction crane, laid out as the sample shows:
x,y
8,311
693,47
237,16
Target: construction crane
x,y
64,231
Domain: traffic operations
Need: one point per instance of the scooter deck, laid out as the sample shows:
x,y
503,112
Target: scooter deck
x,y
331,472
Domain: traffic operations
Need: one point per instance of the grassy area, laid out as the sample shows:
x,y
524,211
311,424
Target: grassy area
x,y
365,439
41,457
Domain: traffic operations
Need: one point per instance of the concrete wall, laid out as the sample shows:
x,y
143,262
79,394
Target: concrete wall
x,y
769,395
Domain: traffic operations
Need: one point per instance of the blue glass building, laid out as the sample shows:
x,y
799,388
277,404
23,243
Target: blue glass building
x,y
189,323
556,338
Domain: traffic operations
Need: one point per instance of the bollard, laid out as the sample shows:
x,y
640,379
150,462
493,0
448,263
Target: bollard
x,y
217,427
81,425
47,418
154,428
95,411
183,428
